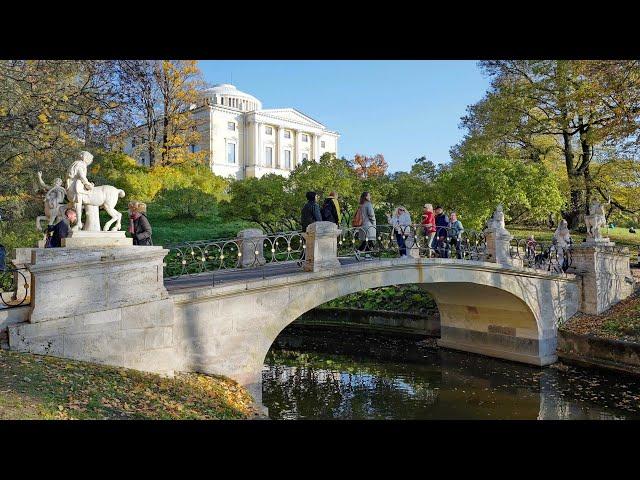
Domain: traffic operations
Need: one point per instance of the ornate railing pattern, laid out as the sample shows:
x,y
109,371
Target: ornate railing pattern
x,y
382,241
14,287
540,255
193,258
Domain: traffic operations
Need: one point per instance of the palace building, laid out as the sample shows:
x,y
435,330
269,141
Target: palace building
x,y
244,140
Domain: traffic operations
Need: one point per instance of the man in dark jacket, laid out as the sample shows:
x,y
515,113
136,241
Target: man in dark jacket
x,y
442,222
329,211
62,229
310,211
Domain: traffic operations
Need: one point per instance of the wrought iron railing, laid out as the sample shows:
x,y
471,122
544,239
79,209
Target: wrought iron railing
x,y
386,241
540,255
14,287
194,258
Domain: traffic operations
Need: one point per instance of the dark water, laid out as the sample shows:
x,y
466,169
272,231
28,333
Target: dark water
x,y
317,373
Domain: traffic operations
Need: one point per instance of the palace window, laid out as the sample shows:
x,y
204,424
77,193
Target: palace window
x,y
287,134
268,130
305,138
322,144
268,157
231,126
287,159
305,156
231,152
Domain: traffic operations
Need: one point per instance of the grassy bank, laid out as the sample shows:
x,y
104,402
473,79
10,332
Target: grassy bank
x,y
39,387
619,235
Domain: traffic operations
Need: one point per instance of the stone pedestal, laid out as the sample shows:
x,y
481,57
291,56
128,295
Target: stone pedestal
x,y
322,247
104,305
91,221
606,276
90,239
251,245
498,245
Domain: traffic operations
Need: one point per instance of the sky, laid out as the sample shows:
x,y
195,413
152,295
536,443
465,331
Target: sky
x,y
401,109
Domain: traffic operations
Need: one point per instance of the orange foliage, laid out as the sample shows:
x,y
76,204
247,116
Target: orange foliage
x,y
367,167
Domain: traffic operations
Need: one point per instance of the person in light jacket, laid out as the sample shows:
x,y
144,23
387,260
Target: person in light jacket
x,y
367,231
139,226
401,223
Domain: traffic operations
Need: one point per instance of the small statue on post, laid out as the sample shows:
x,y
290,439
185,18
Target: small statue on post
x,y
594,221
54,204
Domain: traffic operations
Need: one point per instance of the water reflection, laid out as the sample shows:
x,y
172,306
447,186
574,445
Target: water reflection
x,y
326,375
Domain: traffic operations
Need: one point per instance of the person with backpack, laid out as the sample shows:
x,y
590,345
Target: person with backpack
x,y
139,226
330,210
365,221
310,211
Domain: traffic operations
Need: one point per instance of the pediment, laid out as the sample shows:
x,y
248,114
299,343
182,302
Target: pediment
x,y
290,115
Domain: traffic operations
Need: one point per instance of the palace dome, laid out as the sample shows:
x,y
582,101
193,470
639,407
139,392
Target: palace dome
x,y
229,96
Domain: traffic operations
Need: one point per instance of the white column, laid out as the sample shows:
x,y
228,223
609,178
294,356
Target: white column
x,y
277,131
295,135
316,147
257,127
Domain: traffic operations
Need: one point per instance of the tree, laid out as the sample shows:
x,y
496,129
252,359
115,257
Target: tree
x,y
367,167
49,109
178,82
265,201
537,109
475,184
328,174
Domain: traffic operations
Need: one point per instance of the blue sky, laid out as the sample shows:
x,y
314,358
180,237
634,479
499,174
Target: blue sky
x,y
401,109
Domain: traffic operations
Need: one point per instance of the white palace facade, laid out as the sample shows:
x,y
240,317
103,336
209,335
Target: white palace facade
x,y
244,140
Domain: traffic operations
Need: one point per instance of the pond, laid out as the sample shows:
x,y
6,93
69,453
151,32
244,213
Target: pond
x,y
333,373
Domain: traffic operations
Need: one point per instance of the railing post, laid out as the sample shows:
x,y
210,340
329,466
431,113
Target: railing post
x,y
251,241
322,249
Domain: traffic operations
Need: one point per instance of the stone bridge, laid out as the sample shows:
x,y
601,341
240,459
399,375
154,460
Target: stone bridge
x,y
111,305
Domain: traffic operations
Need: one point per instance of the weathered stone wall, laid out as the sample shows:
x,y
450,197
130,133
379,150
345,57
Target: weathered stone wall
x,y
104,305
228,330
606,276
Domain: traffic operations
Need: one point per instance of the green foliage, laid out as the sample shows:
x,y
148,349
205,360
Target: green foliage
x,y
18,233
185,202
400,298
265,201
475,184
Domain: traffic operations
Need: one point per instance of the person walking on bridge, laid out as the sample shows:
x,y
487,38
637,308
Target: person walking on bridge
x,y
310,211
429,224
331,209
367,224
139,226
401,223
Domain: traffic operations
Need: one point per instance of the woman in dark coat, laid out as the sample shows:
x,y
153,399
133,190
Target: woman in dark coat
x,y
139,226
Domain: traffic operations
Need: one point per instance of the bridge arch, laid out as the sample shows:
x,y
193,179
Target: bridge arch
x,y
484,308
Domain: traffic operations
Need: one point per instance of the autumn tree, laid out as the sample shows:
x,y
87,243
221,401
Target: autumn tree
x,y
559,110
178,82
49,109
367,167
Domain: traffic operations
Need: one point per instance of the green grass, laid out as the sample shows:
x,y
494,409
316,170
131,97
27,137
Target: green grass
x,y
41,387
619,235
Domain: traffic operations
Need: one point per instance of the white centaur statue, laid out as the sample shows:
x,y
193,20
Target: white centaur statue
x,y
54,204
595,220
82,192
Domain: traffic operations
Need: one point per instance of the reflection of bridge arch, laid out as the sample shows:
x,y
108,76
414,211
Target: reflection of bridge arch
x,y
484,308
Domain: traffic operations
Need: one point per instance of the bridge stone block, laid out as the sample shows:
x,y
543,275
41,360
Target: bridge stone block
x,y
321,246
606,275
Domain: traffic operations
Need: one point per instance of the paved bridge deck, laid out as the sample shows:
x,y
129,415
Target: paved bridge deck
x,y
225,277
